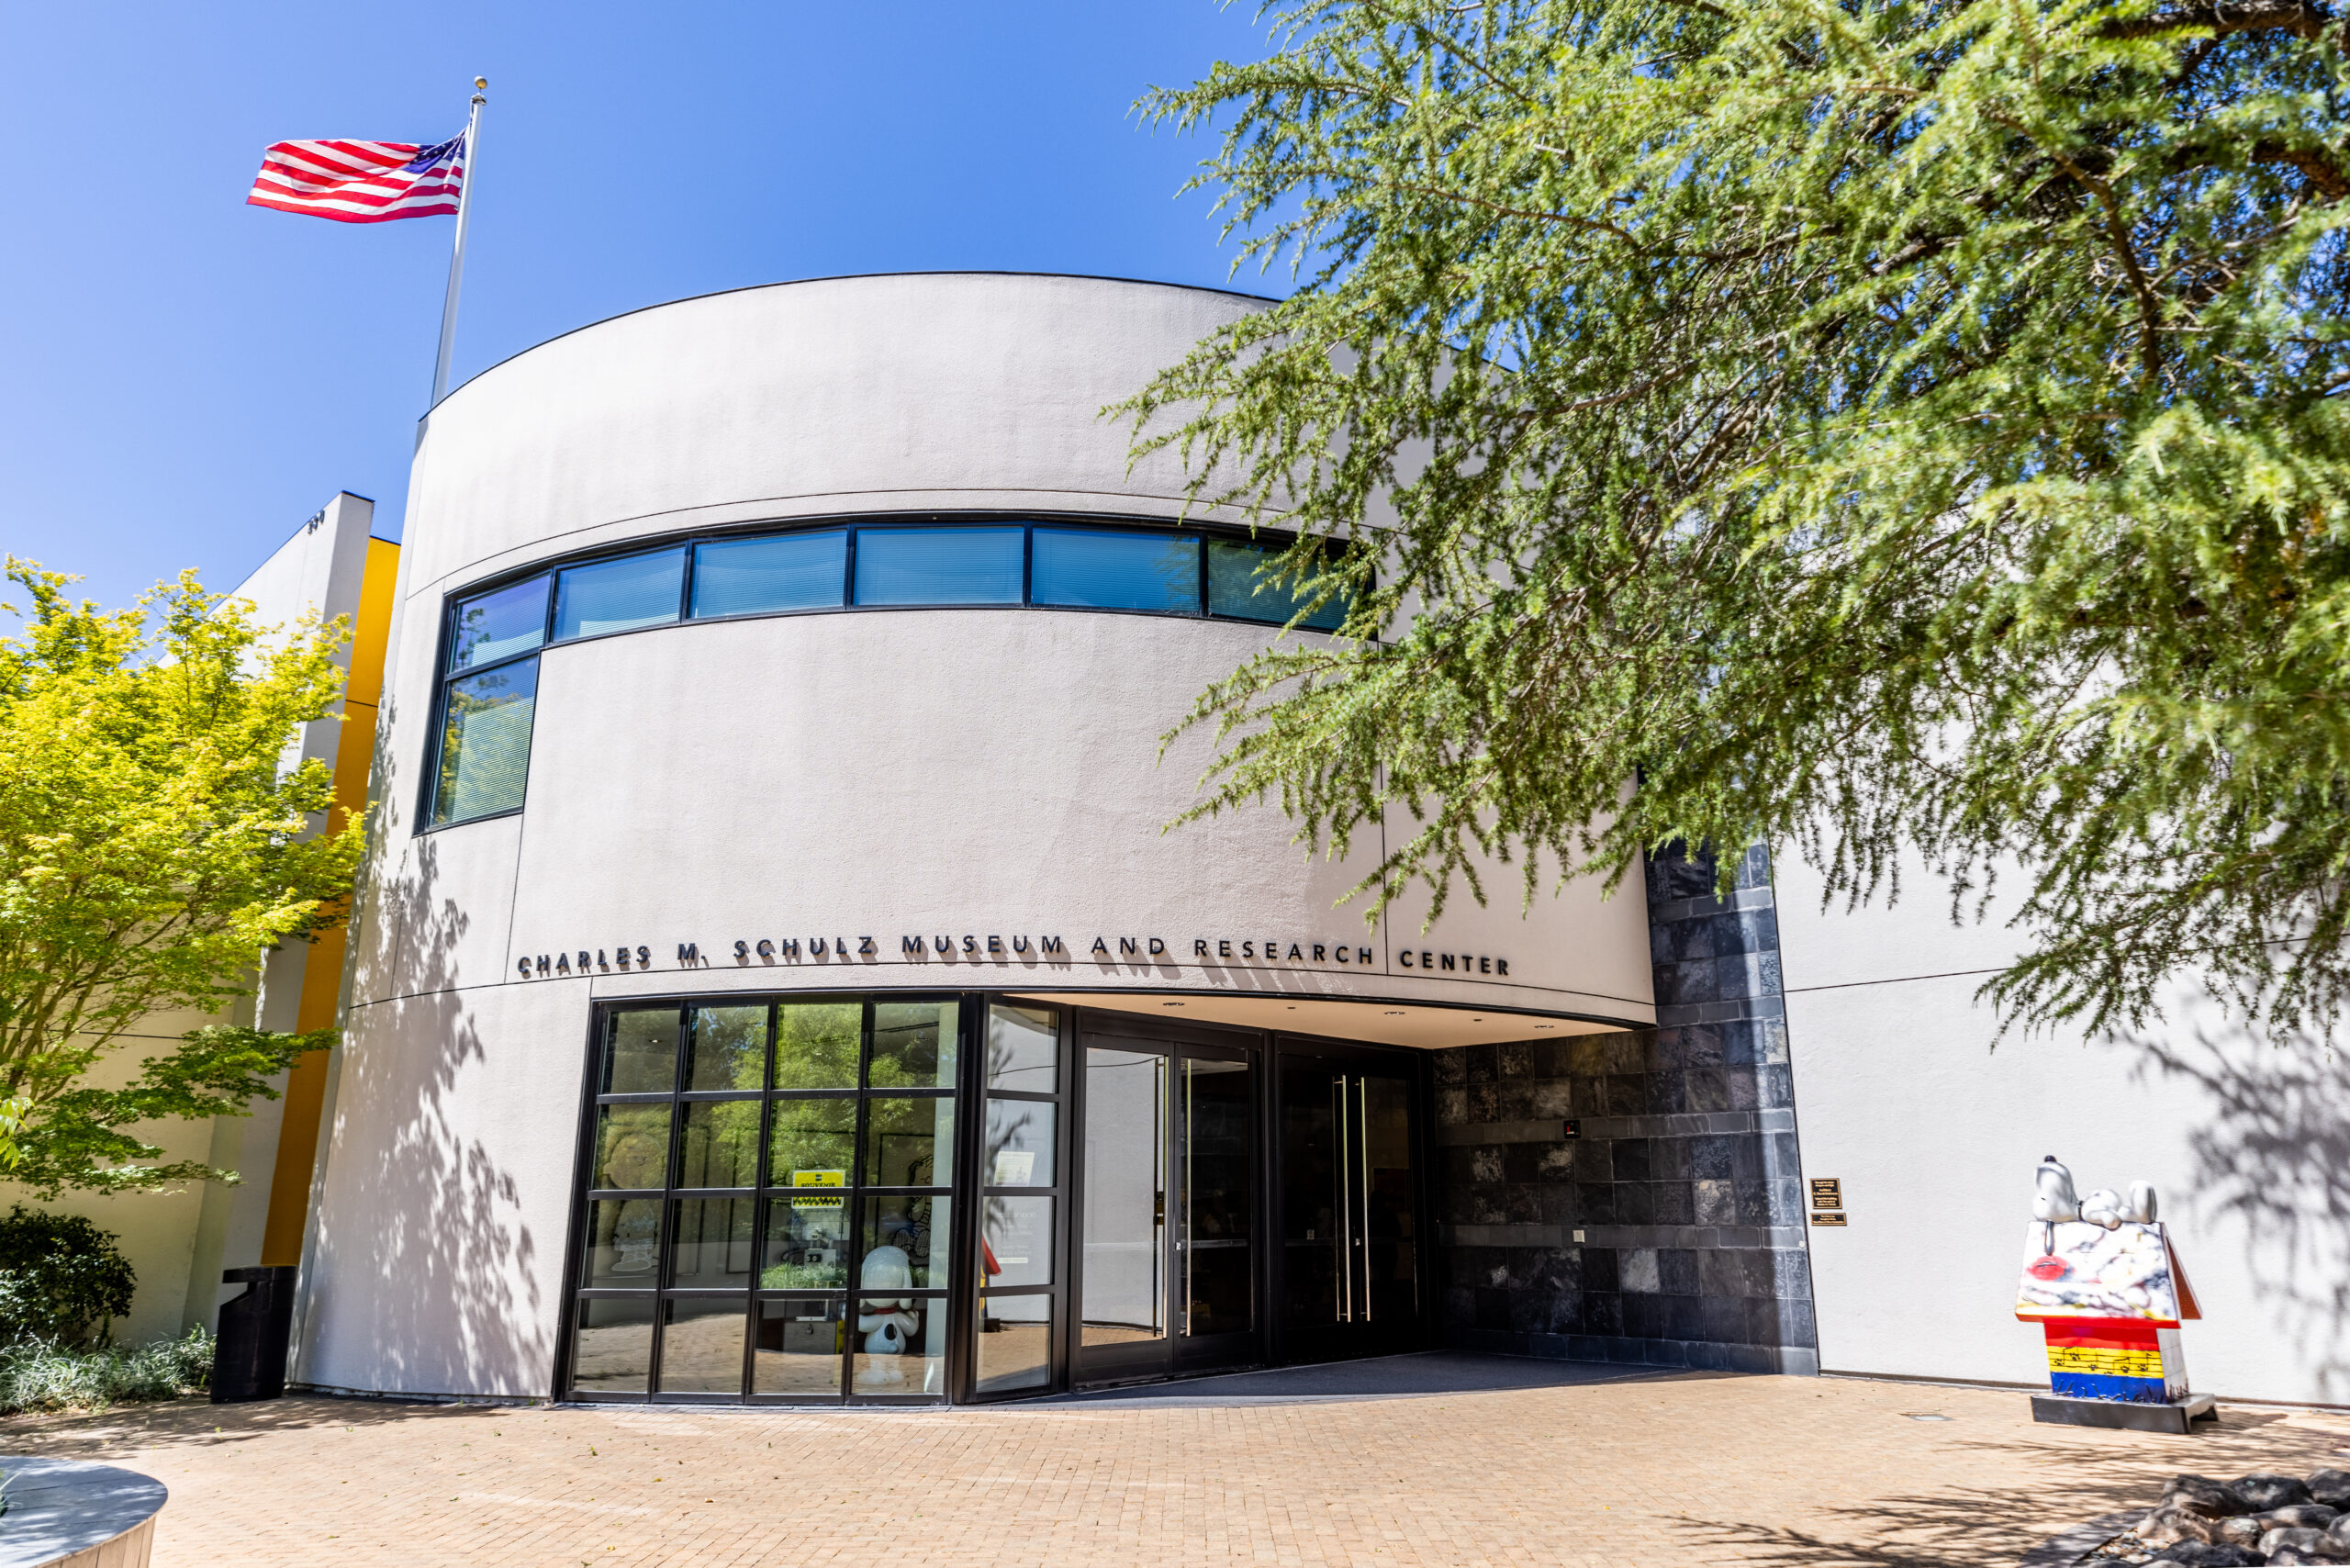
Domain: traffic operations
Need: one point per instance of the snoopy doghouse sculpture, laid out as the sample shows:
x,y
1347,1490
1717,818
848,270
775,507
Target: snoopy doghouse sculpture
x,y
2101,1278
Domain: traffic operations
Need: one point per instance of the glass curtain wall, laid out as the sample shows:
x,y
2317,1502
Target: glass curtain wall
x,y
768,1204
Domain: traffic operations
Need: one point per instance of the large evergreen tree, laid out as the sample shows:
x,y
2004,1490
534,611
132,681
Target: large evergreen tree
x,y
1892,427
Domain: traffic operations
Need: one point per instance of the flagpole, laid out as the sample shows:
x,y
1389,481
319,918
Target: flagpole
x,y
457,257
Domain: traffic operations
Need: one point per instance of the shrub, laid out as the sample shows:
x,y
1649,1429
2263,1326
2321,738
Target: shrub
x,y
36,1376
61,1280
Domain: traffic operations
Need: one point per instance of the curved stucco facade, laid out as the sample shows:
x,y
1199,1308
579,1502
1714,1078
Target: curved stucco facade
x,y
881,775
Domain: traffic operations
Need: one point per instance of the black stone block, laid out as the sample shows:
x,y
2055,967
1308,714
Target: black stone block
x,y
1597,1202
1627,1094
1630,1159
1492,1309
1452,1066
1478,1064
1599,1269
1673,877
1755,1204
1513,1058
1746,1157
1602,1313
1685,1316
1676,1270
1627,1051
1595,1159
1636,1202
1676,1204
1724,1320
1790,1276
1667,1094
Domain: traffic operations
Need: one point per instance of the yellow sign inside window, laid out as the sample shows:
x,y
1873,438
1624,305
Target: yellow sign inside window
x,y
819,1179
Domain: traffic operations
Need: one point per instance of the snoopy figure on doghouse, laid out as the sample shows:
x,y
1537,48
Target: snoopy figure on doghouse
x,y
2101,1278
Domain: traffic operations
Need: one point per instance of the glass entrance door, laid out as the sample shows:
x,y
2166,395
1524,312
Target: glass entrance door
x,y
1167,1277
1350,1211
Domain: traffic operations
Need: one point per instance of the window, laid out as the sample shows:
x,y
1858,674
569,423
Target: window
x,y
1240,584
793,571
482,746
1020,1174
498,625
938,565
768,1208
618,596
1105,570
485,743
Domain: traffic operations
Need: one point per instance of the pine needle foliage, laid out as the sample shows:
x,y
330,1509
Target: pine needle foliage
x,y
1889,426
153,846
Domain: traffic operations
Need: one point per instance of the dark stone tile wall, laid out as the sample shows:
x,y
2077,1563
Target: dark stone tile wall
x,y
1670,1231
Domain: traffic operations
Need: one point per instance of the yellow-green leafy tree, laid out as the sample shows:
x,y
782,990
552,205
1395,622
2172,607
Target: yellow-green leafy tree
x,y
154,845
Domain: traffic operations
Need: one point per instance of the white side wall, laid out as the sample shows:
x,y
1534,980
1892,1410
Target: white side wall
x,y
1934,1133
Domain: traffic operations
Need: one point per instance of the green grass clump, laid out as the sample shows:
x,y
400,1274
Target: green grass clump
x,y
38,1376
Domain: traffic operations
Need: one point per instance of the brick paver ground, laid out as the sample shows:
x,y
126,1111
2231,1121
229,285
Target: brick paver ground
x,y
1668,1470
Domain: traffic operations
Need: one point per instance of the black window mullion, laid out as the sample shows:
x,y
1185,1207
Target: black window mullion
x,y
1028,564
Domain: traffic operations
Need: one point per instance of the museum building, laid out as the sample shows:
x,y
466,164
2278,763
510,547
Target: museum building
x,y
775,979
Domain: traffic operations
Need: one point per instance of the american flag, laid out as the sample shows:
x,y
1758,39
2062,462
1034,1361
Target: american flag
x,y
362,181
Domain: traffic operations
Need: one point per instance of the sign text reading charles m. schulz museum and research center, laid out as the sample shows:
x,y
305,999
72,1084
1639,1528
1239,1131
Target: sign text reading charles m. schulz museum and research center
x,y
995,949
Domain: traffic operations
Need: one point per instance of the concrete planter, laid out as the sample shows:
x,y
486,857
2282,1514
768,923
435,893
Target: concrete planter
x,y
65,1514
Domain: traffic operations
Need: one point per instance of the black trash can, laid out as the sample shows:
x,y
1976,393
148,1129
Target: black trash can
x,y
249,1357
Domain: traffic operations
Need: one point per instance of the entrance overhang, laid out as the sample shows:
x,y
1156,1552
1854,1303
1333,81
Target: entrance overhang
x,y
1421,1025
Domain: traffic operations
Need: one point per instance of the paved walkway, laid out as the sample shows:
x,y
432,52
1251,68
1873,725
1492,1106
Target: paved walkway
x,y
1426,1460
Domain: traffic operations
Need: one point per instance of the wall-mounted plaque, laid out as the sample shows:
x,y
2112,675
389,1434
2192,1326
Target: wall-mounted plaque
x,y
1827,1193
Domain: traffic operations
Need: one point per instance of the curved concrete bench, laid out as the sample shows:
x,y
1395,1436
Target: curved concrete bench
x,y
65,1514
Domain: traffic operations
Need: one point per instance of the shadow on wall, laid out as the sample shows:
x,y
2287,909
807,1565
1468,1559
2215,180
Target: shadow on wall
x,y
2272,1151
429,1282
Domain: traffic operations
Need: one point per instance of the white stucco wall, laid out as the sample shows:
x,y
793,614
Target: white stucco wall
x,y
872,773
1935,1133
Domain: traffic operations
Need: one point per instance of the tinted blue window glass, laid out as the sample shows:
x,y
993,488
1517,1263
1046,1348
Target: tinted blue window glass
x,y
613,596
486,743
490,626
1236,589
745,576
1115,571
938,565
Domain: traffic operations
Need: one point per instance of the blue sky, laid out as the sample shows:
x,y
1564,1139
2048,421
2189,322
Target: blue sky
x,y
187,378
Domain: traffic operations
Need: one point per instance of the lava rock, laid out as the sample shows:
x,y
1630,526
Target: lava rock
x,y
2245,1530
2301,1541
2331,1488
2198,1555
2169,1522
2300,1516
2267,1492
2212,1499
2338,1532
2289,1553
